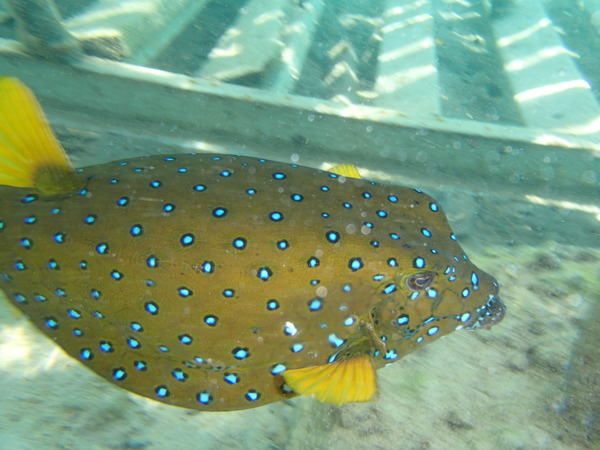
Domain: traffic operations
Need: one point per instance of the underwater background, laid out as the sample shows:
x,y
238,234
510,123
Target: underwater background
x,y
491,107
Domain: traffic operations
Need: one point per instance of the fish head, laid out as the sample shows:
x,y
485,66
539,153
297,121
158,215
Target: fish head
x,y
465,293
438,288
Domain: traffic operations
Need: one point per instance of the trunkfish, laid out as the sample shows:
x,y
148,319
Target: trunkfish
x,y
223,282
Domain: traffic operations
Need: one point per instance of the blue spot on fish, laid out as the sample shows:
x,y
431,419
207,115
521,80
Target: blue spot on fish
x,y
162,391
315,304
204,397
276,216
240,352
355,264
136,230
277,369
187,239
252,395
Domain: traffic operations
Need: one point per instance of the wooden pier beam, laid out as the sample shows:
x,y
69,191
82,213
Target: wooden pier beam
x,y
163,108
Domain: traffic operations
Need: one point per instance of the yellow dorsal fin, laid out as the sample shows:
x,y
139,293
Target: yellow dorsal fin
x,y
30,154
352,380
346,170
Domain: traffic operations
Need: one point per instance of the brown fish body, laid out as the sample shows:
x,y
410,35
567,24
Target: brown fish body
x,y
221,282
210,273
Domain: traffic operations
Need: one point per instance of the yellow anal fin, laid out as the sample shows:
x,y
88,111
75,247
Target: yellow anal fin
x,y
30,154
346,170
352,380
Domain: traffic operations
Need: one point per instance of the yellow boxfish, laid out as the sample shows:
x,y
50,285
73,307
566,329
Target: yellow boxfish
x,y
222,282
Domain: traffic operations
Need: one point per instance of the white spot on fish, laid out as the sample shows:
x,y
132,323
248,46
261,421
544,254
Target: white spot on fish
x,y
291,329
322,291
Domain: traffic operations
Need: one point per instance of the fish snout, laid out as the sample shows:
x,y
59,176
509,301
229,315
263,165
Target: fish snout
x,y
488,315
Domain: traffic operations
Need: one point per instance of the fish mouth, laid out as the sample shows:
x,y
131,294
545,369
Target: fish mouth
x,y
489,314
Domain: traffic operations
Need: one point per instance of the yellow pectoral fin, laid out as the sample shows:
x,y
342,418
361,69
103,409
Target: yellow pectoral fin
x,y
346,170
352,380
30,154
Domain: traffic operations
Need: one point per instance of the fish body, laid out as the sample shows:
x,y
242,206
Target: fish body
x,y
221,282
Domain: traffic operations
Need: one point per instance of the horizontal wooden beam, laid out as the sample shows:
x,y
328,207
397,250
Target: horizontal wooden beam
x,y
165,110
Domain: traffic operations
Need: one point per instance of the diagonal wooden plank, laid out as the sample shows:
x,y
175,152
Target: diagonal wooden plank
x,y
407,78
549,90
252,43
131,30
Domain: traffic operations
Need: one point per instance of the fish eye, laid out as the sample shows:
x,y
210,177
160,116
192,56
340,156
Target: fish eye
x,y
420,281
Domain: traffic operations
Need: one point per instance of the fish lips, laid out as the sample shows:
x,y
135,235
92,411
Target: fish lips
x,y
488,315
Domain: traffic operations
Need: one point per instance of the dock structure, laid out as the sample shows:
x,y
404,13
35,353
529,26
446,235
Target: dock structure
x,y
472,95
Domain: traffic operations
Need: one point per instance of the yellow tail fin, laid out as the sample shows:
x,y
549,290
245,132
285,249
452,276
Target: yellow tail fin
x,y
30,154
